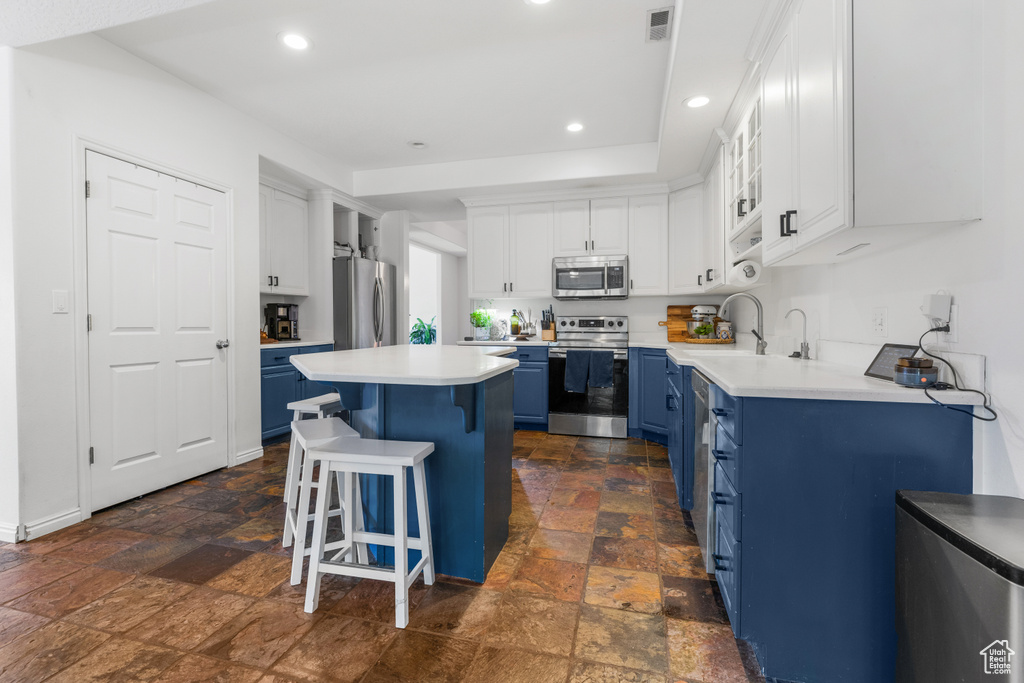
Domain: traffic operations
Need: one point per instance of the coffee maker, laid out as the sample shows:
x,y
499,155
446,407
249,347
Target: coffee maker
x,y
282,321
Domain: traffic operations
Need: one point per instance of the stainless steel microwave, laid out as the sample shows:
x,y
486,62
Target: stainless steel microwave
x,y
589,277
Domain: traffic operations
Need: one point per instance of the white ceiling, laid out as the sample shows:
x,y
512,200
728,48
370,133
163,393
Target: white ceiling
x,y
487,84
24,22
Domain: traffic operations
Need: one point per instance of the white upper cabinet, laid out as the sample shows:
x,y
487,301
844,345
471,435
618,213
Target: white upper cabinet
x,y
284,243
488,252
648,245
609,226
713,265
530,241
856,135
685,241
591,227
571,222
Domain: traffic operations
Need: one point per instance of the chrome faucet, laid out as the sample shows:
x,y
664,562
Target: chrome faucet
x,y
759,332
804,346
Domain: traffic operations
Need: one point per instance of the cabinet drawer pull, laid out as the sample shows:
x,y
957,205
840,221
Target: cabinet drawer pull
x,y
790,230
720,562
719,412
782,225
720,455
720,500
740,213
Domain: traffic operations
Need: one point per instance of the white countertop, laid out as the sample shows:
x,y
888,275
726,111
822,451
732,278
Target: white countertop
x,y
741,373
292,344
509,342
432,365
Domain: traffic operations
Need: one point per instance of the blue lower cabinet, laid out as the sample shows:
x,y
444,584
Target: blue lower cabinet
x,y
279,386
648,401
530,393
806,525
281,383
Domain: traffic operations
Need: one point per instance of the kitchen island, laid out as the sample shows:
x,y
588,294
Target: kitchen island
x,y
461,400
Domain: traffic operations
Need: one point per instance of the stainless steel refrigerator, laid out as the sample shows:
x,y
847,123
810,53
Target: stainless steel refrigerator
x,y
364,303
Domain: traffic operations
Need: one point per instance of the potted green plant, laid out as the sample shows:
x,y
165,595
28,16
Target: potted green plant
x,y
480,319
422,333
704,331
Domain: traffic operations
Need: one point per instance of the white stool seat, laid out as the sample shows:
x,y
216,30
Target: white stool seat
x,y
350,458
325,404
305,435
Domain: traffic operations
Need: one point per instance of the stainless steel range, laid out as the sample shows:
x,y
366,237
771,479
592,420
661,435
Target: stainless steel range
x,y
597,410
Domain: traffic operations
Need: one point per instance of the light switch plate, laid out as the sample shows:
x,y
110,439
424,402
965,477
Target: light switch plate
x,y
60,301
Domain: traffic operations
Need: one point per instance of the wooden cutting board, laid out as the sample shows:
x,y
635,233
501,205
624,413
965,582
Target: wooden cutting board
x,y
678,316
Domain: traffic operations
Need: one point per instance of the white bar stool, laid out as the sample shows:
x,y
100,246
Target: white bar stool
x,y
321,406
307,434
367,456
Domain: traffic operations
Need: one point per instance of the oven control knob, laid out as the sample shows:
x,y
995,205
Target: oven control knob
x,y
563,323
620,323
572,323
610,323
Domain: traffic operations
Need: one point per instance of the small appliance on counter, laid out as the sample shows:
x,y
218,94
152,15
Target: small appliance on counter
x,y
915,372
282,321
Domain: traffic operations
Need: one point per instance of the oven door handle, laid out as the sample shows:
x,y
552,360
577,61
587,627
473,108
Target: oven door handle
x,y
560,353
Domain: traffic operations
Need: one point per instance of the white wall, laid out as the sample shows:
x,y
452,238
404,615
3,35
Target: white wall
x,y
9,470
86,88
394,249
979,264
454,303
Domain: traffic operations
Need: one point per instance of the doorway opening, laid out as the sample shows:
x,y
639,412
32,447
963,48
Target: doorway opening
x,y
424,294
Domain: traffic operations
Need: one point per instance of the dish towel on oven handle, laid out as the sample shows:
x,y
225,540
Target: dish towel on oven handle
x,y
602,369
577,367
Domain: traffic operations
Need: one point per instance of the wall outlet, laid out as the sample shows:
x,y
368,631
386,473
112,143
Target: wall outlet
x,y
880,322
952,336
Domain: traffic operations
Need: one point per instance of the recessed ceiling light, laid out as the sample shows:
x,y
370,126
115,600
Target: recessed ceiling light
x,y
416,144
574,127
295,41
698,101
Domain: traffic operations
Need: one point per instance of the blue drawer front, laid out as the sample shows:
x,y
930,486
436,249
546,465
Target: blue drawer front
x,y
728,454
530,393
728,503
531,353
319,348
727,572
675,375
272,357
728,411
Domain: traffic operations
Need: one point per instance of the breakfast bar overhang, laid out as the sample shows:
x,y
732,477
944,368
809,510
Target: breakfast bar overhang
x,y
460,398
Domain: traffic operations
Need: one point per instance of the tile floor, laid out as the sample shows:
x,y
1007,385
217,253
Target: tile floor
x,y
600,581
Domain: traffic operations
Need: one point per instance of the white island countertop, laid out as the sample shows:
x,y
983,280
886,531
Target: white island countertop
x,y
422,364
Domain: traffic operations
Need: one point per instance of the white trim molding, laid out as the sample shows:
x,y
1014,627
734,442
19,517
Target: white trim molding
x,y
8,533
565,195
56,522
246,456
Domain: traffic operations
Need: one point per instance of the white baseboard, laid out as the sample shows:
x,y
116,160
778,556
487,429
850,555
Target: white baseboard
x,y
245,457
8,533
53,523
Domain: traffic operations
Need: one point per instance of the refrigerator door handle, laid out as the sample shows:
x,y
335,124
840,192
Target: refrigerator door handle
x,y
383,310
376,310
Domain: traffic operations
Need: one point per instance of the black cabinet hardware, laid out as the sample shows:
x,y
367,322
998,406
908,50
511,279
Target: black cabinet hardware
x,y
782,225
719,455
270,281
275,281
504,286
707,275
740,213
699,283
789,229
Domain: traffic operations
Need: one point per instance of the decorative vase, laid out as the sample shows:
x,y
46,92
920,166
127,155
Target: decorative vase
x,y
482,333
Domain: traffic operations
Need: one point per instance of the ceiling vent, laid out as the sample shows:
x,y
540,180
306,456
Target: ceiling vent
x,y
659,24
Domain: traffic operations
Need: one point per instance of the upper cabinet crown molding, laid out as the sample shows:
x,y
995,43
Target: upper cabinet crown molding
x,y
564,195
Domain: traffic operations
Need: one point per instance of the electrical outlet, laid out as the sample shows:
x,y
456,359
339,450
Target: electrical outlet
x,y
880,321
952,336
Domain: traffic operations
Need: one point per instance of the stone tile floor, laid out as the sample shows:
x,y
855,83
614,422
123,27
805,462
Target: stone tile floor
x,y
601,580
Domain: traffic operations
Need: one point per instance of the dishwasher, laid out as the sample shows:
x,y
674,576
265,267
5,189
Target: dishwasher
x,y
703,512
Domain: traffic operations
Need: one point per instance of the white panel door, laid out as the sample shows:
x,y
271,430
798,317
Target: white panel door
x,y
289,244
530,241
648,245
609,226
488,252
685,241
571,224
157,279
266,276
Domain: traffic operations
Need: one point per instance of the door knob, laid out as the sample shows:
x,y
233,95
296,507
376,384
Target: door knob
x,y
223,343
